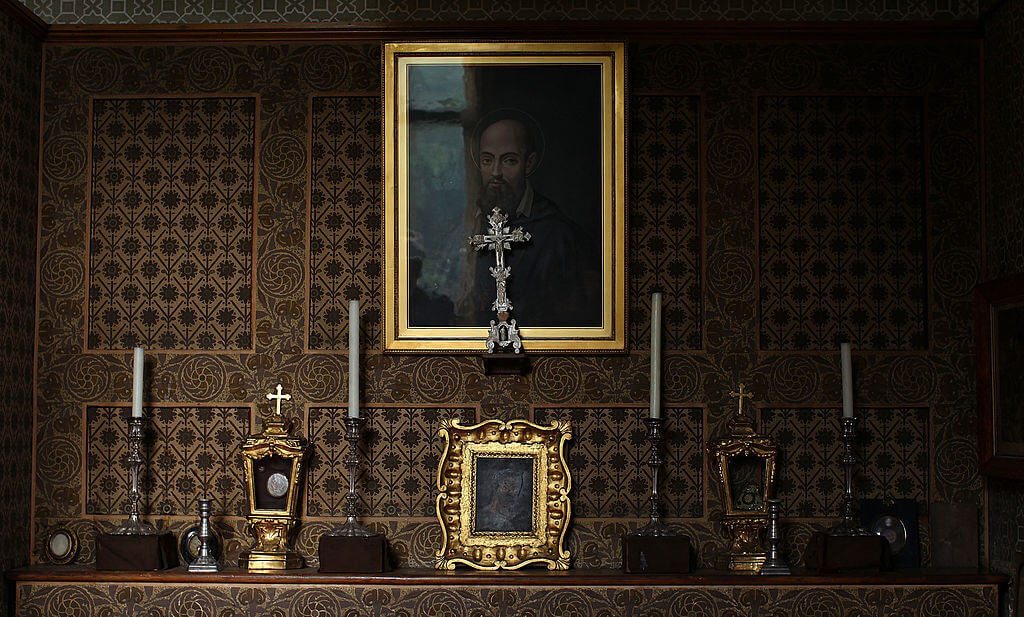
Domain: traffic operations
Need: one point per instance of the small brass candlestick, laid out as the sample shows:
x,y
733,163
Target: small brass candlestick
x,y
134,526
848,526
655,527
351,526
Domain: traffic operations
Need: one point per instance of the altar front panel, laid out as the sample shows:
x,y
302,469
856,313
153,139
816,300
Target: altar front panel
x,y
503,595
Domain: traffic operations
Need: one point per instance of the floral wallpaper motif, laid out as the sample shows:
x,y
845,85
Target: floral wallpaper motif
x,y
892,452
20,63
170,214
400,450
189,452
841,229
344,220
1003,135
663,223
225,11
707,91
609,466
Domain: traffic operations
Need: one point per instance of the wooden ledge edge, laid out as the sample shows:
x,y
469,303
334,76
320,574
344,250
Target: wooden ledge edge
x,y
534,578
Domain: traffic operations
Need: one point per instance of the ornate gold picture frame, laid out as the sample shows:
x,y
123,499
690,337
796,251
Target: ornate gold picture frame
x,y
562,109
503,495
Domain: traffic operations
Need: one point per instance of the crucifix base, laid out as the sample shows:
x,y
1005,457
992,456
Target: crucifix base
x,y
503,337
506,363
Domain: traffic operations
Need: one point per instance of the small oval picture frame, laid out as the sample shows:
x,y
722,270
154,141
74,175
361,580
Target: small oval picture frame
x,y
61,546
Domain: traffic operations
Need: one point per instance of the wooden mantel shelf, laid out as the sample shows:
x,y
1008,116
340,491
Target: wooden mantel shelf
x,y
531,578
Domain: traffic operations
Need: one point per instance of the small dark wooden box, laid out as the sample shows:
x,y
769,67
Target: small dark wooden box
x,y
340,554
155,552
656,554
828,553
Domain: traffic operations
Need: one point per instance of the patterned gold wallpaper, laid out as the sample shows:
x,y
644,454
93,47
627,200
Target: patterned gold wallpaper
x,y
841,240
242,11
700,160
1004,154
20,63
170,216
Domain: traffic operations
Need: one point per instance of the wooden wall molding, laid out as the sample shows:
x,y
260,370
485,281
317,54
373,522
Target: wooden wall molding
x,y
576,30
20,13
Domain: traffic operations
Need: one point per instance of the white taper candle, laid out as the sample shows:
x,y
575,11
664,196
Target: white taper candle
x,y
847,381
353,358
656,355
137,371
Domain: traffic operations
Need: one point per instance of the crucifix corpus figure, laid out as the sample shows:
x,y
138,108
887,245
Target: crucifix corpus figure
x,y
279,397
504,333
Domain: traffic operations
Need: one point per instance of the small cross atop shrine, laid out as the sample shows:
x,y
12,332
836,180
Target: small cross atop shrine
x,y
503,333
741,422
741,395
280,397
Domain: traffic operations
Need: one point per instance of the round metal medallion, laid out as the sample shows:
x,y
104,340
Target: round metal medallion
x,y
892,529
189,544
277,485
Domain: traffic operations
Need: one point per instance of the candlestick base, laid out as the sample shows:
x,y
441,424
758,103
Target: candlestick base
x,y
136,552
353,554
134,527
829,553
847,530
655,528
656,554
352,529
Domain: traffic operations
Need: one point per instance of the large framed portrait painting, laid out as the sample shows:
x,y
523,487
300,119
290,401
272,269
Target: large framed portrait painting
x,y
536,131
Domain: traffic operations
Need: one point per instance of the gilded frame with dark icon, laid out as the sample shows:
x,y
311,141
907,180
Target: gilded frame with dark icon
x,y
999,323
503,495
566,101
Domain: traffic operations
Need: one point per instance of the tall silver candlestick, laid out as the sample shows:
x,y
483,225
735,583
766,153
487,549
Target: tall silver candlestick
x,y
848,526
204,561
655,527
134,526
351,526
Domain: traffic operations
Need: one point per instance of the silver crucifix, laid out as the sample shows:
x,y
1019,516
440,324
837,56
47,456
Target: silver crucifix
x,y
503,332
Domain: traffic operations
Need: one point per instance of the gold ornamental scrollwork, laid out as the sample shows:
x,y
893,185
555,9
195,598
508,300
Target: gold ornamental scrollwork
x,y
503,495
